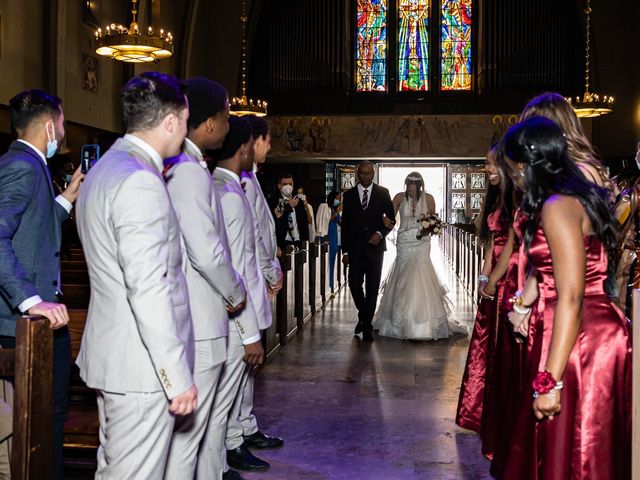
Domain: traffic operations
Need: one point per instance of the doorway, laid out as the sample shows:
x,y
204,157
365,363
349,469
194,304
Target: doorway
x,y
391,176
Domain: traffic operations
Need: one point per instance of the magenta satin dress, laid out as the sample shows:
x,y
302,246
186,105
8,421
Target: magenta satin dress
x,y
504,383
470,403
591,437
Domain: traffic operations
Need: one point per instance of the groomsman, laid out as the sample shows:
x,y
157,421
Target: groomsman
x,y
244,346
215,288
242,430
30,235
137,347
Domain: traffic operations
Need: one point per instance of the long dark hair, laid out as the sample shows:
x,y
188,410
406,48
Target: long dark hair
x,y
414,178
498,197
541,146
331,197
492,201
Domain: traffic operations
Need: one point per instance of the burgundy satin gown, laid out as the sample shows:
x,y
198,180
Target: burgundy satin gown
x,y
591,437
508,381
470,402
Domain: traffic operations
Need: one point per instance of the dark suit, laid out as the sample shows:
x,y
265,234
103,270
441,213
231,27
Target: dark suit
x,y
282,223
30,231
365,259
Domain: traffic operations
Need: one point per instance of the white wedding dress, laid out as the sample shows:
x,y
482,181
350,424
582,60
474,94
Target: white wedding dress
x,y
414,302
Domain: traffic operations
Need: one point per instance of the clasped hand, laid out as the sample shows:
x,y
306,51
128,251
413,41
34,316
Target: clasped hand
x,y
547,405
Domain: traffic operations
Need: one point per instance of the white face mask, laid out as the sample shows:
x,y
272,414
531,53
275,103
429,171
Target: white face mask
x,y
287,190
52,141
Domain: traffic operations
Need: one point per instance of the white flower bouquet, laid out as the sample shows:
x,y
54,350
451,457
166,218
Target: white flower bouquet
x,y
430,225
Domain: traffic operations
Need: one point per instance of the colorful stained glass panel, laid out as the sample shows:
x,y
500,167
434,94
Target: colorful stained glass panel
x,y
413,45
456,45
371,46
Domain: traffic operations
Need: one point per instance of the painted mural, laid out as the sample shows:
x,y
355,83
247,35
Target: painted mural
x,y
386,136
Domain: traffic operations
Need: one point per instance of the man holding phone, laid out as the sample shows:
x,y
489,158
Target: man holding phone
x,y
30,237
290,214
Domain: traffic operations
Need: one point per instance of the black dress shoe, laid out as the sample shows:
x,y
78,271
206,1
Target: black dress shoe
x,y
367,337
261,441
358,329
241,458
231,475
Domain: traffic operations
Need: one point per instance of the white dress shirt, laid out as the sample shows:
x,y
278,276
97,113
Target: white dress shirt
x,y
196,149
36,299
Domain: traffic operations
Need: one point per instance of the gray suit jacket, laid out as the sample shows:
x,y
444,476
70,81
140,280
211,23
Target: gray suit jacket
x,y
211,279
266,247
138,336
238,220
30,233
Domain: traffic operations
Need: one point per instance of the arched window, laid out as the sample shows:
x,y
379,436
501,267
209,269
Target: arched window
x,y
371,46
396,45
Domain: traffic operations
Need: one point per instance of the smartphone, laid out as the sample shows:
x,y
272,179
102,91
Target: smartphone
x,y
90,154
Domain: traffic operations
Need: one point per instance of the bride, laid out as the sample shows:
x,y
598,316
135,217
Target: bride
x,y
414,303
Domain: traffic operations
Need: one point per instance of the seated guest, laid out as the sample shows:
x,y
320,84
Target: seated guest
x,y
242,429
215,288
30,235
291,216
244,346
137,347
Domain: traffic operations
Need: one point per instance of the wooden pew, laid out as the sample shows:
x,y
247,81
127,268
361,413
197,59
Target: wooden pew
x,y
286,298
315,297
30,365
324,272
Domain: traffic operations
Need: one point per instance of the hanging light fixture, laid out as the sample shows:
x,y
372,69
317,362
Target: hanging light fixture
x,y
591,104
243,105
130,45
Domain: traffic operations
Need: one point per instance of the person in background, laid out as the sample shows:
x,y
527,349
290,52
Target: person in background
x,y
30,238
291,217
310,216
334,200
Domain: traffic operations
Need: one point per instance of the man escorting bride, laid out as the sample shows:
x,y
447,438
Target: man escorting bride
x,y
414,304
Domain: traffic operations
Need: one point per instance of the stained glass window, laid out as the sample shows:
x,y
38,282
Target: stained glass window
x,y
413,45
456,45
371,46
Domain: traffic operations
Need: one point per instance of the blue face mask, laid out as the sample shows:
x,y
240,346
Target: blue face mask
x,y
52,144
336,202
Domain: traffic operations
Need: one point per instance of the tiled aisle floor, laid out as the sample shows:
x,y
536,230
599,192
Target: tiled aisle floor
x,y
349,410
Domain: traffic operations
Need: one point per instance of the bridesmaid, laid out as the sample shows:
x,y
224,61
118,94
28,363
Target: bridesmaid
x,y
577,425
492,228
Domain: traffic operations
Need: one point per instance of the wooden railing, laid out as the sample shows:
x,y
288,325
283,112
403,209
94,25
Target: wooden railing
x,y
463,251
30,365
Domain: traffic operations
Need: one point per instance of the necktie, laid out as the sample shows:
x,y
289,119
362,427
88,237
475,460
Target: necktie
x,y
365,199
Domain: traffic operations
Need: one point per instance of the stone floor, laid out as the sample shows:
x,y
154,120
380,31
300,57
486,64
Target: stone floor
x,y
353,410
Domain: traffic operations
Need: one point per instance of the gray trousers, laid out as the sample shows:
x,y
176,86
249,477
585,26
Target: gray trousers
x,y
135,435
189,430
242,421
212,459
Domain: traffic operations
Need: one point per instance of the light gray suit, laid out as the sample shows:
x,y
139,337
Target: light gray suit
x,y
243,328
212,283
242,421
137,347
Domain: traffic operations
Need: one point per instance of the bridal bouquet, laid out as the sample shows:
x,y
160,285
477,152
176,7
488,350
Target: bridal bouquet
x,y
430,225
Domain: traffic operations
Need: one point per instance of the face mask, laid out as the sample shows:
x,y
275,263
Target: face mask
x,y
52,143
287,190
336,202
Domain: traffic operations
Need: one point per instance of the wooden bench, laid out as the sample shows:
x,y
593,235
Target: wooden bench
x,y
30,366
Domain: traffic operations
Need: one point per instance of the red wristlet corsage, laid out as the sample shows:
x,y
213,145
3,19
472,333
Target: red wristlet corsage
x,y
544,383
